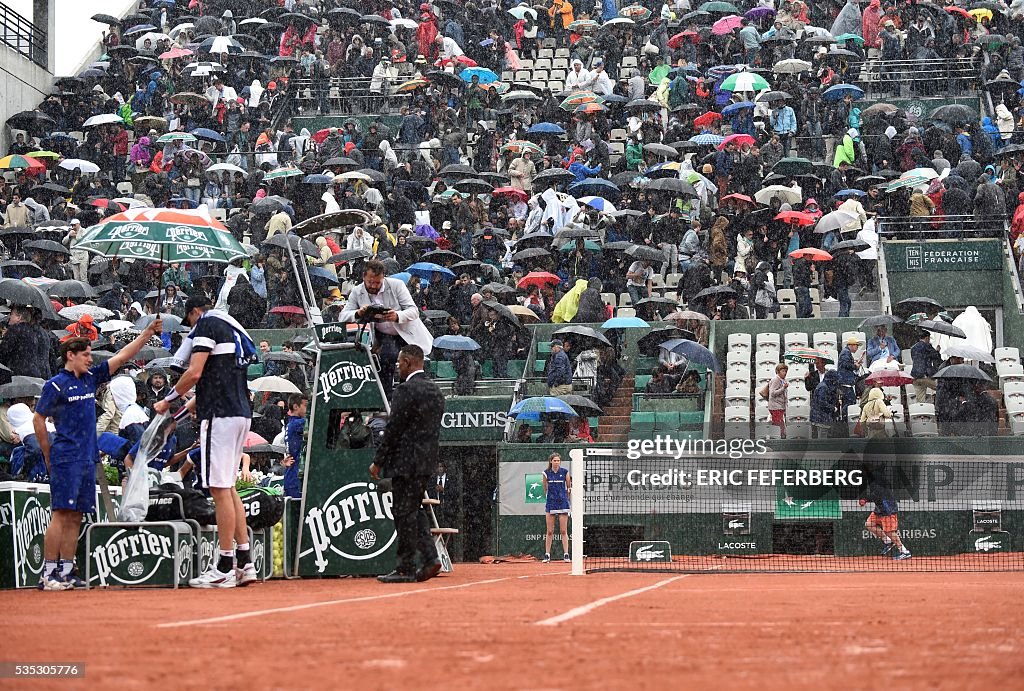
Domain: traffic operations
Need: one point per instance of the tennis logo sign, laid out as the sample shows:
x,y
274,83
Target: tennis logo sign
x,y
650,551
129,231
355,522
132,557
185,234
345,379
992,542
29,529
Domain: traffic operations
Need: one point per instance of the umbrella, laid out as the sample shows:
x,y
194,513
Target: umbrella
x,y
16,161
590,108
707,139
106,19
773,96
530,253
719,8
625,323
46,246
473,186
286,309
442,256
147,353
968,352
738,140
521,96
518,146
350,255
456,343
638,12
71,289
164,235
503,311
854,245
582,405
680,188
586,332
594,186
295,242
20,293
651,343
811,253
31,121
521,11
798,218
511,192
888,377
525,314
793,166
428,269
285,172
694,352
745,81
457,170
725,25
411,85
791,66
221,44
954,114
581,25
542,404
114,325
806,355
686,315
538,278
714,291
22,387
837,220
21,267
484,75
646,253
849,193
951,372
176,137
734,108
588,245
598,203
78,311
579,98
879,109
103,119
838,92
941,327
188,98
273,384
879,320
661,150
788,195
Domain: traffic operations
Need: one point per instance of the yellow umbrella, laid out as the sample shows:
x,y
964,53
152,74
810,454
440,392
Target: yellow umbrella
x,y
411,85
980,13
43,154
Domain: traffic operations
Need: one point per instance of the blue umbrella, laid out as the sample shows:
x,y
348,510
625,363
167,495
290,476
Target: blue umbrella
x,y
545,128
176,202
542,404
456,343
707,139
204,133
318,179
427,269
599,187
404,277
486,76
837,92
321,274
625,323
693,351
850,193
734,108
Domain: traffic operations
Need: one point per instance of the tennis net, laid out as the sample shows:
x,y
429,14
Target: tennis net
x,y
776,514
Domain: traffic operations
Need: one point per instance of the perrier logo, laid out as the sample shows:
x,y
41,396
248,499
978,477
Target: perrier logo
x,y
29,529
345,379
355,523
131,557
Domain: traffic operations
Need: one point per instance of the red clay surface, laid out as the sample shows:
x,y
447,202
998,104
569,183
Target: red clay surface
x,y
477,628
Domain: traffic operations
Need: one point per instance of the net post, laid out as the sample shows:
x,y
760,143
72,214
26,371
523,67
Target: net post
x,y
576,510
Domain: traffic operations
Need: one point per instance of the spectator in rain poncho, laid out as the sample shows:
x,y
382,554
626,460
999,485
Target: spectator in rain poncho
x,y
977,329
566,308
849,20
133,418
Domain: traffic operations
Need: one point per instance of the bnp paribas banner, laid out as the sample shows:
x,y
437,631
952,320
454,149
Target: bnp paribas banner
x,y
790,489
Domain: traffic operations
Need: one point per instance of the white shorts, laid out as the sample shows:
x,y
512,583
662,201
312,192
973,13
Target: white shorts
x,y
221,449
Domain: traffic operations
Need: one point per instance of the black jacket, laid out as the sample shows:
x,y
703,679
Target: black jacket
x,y
26,351
591,308
410,444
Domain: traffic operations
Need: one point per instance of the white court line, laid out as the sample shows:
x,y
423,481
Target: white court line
x,y
590,607
327,603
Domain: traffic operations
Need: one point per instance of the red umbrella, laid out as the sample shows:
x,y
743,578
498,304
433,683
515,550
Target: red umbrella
x,y
798,218
288,309
175,53
510,192
538,278
889,377
952,9
252,439
461,59
321,135
738,140
739,198
815,255
707,119
107,204
676,41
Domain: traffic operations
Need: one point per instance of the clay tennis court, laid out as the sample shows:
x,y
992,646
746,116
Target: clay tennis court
x,y
533,626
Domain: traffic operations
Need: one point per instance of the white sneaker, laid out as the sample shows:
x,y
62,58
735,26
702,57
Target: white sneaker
x,y
212,578
53,583
831,300
245,575
567,557
547,558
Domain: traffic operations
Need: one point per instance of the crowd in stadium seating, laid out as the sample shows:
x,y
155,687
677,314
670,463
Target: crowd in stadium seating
x,y
674,157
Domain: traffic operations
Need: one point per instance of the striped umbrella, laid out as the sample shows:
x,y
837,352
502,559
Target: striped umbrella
x,y
800,354
176,137
285,172
637,12
581,25
745,81
590,108
599,203
579,98
707,139
518,146
16,161
411,85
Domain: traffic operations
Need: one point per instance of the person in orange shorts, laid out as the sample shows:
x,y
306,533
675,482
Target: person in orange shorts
x,y
883,521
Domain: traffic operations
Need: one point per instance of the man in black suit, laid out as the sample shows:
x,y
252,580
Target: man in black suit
x,y
408,455
443,488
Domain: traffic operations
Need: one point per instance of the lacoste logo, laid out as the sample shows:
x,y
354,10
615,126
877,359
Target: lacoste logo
x,y
736,524
645,553
984,544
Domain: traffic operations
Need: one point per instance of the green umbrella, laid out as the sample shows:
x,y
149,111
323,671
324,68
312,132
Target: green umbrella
x,y
849,37
588,245
286,172
162,235
723,7
176,137
744,81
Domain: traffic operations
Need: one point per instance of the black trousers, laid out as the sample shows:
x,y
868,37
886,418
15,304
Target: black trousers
x,y
411,523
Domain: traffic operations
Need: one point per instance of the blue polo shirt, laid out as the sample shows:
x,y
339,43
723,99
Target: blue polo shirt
x,y
293,436
71,402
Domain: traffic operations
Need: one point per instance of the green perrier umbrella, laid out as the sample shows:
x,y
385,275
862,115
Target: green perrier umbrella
x,y
162,235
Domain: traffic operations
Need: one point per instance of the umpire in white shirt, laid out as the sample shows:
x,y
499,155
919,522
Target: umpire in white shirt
x,y
399,326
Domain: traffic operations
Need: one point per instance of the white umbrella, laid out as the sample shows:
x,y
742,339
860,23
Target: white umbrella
x,y
521,10
131,202
837,220
403,23
788,195
153,39
791,66
219,167
185,26
84,166
102,119
79,311
252,20
273,384
115,325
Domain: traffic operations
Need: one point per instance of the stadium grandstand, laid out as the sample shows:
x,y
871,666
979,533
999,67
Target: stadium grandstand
x,y
797,226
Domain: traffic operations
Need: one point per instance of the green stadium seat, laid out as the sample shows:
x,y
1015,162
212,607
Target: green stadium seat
x,y
645,364
515,368
445,370
543,347
641,382
255,371
539,367
666,420
688,419
642,422
486,369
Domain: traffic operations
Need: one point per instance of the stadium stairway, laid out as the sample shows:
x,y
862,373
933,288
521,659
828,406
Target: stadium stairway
x,y
866,304
613,426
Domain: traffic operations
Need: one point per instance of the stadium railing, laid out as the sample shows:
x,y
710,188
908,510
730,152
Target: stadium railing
x,y
924,77
941,227
23,36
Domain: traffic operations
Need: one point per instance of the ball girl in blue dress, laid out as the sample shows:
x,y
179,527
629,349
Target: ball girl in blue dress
x,y
557,487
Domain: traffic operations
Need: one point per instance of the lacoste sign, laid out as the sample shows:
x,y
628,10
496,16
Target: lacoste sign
x,y
650,551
